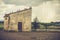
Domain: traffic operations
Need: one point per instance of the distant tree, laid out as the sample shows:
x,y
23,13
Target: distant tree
x,y
46,26
36,24
52,23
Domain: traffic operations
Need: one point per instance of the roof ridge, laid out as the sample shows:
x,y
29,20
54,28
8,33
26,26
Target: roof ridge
x,y
6,15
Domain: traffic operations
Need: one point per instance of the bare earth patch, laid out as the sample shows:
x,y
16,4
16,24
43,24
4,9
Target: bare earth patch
x,y
29,35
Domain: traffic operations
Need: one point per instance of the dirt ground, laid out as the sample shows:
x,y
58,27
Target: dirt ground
x,y
29,35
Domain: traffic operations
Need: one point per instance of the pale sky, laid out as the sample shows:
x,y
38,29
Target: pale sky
x,y
44,10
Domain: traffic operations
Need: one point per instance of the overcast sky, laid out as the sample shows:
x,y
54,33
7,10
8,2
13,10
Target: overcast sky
x,y
45,10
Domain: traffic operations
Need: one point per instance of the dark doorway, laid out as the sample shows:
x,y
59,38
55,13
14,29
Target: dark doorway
x,y
20,26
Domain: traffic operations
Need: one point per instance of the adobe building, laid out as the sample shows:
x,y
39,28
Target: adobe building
x,y
18,21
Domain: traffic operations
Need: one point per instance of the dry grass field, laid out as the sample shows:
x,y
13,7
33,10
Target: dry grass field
x,y
29,35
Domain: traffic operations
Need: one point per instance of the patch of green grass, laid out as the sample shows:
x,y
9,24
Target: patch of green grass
x,y
1,26
42,27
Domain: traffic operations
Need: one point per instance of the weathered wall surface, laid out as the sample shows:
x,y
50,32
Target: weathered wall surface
x,y
27,20
6,23
13,22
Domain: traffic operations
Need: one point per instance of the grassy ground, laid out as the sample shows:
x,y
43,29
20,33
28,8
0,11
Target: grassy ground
x,y
1,26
